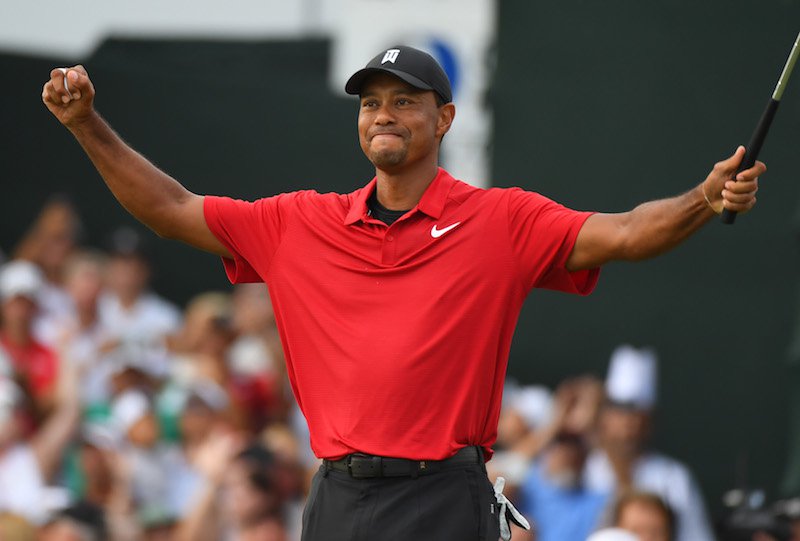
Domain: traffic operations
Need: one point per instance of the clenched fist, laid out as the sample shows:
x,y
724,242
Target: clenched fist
x,y
69,95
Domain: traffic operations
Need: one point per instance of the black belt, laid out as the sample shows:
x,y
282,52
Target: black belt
x,y
361,466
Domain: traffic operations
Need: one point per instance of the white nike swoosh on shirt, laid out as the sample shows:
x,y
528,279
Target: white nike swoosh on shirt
x,y
436,233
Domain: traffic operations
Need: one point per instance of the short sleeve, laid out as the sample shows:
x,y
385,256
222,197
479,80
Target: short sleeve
x,y
543,234
251,231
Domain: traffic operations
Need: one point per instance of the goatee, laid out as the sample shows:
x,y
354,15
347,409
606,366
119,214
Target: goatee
x,y
387,158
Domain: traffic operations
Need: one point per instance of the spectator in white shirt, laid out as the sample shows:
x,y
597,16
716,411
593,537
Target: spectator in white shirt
x,y
623,460
135,316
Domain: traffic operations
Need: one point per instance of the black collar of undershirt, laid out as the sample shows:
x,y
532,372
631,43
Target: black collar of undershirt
x,y
379,212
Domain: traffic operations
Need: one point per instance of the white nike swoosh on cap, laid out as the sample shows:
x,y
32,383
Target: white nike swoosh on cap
x,y
436,233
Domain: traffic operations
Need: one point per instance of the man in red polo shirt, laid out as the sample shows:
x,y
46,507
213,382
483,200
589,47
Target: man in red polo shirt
x,y
31,362
396,303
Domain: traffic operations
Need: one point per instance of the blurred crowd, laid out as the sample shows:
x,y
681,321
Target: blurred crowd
x,y
123,417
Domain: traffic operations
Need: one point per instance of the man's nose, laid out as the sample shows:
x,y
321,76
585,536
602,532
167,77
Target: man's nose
x,y
384,115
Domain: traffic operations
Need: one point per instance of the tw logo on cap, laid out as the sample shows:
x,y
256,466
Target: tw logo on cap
x,y
390,56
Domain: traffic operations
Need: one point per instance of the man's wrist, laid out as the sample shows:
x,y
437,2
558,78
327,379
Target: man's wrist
x,y
86,124
716,204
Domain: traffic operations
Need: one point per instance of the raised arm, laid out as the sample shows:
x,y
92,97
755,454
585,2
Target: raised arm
x,y
149,194
658,226
50,441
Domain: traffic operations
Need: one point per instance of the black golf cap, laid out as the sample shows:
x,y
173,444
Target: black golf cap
x,y
417,68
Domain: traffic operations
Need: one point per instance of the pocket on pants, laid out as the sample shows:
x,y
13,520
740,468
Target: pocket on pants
x,y
484,504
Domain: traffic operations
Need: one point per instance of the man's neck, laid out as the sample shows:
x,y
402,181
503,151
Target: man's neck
x,y
402,190
128,300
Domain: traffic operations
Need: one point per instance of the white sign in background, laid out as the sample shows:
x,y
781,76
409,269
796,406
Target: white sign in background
x,y
72,30
458,33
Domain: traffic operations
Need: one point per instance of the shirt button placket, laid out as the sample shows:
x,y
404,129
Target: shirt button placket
x,y
389,249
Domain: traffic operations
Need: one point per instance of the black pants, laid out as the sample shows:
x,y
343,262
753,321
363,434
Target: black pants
x,y
451,505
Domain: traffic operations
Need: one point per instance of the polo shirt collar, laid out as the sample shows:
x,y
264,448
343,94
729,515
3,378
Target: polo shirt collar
x,y
432,202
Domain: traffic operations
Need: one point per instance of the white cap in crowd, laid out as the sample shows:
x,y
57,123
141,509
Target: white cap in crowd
x,y
632,377
206,391
534,403
612,534
20,278
128,408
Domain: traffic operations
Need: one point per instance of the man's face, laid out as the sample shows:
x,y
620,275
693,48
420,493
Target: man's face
x,y
84,283
18,311
244,502
624,430
127,276
563,463
399,125
646,521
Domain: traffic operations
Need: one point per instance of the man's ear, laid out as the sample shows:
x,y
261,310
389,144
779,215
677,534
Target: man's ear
x,y
447,113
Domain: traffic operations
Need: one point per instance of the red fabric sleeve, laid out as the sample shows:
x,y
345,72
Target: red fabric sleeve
x,y
543,234
251,231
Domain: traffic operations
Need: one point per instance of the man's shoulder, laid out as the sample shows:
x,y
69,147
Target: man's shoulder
x,y
311,197
461,191
154,305
303,196
661,463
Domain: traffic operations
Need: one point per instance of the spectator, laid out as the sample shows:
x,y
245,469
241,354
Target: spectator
x,y
240,500
254,506
130,371
202,412
645,515
106,481
137,318
257,348
94,465
624,461
35,364
201,349
29,463
151,463
48,243
525,414
526,411
553,493
81,336
256,355
201,344
292,475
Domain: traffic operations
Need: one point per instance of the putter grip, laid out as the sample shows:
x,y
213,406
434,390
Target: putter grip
x,y
753,148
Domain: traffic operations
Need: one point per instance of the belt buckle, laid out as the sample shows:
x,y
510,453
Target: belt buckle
x,y
363,466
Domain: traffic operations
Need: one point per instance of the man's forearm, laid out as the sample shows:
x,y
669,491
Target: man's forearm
x,y
658,226
648,230
152,196
145,191
655,227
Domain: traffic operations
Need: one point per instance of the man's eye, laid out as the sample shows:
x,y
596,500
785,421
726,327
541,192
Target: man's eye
x,y
369,103
403,101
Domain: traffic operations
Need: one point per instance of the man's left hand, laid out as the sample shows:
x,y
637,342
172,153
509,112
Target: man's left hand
x,y
723,192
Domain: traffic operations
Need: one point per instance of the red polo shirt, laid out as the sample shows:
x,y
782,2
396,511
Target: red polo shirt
x,y
397,337
35,363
